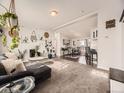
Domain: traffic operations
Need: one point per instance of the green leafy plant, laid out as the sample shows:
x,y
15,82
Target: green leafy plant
x,y
6,22
15,42
4,40
2,21
4,18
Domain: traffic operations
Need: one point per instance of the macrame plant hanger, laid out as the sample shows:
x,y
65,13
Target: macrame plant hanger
x,y
12,10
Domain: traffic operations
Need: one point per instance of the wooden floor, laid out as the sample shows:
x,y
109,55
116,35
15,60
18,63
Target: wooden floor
x,y
72,77
79,59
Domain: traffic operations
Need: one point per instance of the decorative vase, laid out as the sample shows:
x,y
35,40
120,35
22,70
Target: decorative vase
x,y
50,56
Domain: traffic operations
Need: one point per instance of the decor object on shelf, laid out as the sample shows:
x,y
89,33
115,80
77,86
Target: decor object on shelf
x,y
37,53
25,40
46,35
110,23
21,54
33,37
41,38
32,52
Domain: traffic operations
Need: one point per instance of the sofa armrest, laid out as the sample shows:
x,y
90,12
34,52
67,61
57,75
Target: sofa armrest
x,y
19,75
4,79
7,78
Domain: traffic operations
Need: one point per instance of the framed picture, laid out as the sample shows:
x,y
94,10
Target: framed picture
x,y
110,23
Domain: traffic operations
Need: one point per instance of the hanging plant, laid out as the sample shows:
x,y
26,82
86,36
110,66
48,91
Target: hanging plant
x,y
2,21
4,40
9,20
14,31
15,42
5,19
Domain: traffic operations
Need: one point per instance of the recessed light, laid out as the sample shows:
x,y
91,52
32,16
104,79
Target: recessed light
x,y
54,13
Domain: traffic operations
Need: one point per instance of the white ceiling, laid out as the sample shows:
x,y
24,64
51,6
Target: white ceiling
x,y
35,13
80,29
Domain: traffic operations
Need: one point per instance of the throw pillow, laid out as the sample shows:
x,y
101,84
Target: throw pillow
x,y
20,68
11,55
9,65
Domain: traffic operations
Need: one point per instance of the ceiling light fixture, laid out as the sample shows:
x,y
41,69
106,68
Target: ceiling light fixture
x,y
54,13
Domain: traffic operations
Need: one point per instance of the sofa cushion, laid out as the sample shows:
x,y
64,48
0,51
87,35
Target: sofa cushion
x,y
40,73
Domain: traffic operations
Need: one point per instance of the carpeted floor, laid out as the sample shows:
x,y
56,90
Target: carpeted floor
x,y
72,77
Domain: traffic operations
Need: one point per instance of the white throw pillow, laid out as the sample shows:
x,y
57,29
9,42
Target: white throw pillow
x,y
20,66
11,55
9,65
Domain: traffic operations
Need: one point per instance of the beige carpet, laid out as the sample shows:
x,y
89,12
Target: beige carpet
x,y
72,77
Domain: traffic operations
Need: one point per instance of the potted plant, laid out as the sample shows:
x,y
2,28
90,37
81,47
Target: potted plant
x,y
49,48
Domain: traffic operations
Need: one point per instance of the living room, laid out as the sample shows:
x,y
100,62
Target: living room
x,y
50,46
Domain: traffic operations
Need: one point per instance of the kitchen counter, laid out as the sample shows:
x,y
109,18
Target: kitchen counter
x,y
117,75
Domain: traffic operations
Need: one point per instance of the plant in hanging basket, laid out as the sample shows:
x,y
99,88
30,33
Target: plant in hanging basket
x,y
15,42
9,20
14,31
4,40
2,21
6,17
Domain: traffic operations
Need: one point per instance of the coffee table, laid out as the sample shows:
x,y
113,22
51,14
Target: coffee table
x,y
24,85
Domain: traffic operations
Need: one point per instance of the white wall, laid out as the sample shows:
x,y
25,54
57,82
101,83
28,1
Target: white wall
x,y
109,40
25,31
58,44
31,45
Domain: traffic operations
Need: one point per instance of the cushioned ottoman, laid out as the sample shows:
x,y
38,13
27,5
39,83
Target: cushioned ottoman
x,y
40,72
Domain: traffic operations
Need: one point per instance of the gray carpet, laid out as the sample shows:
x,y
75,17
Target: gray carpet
x,y
71,77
